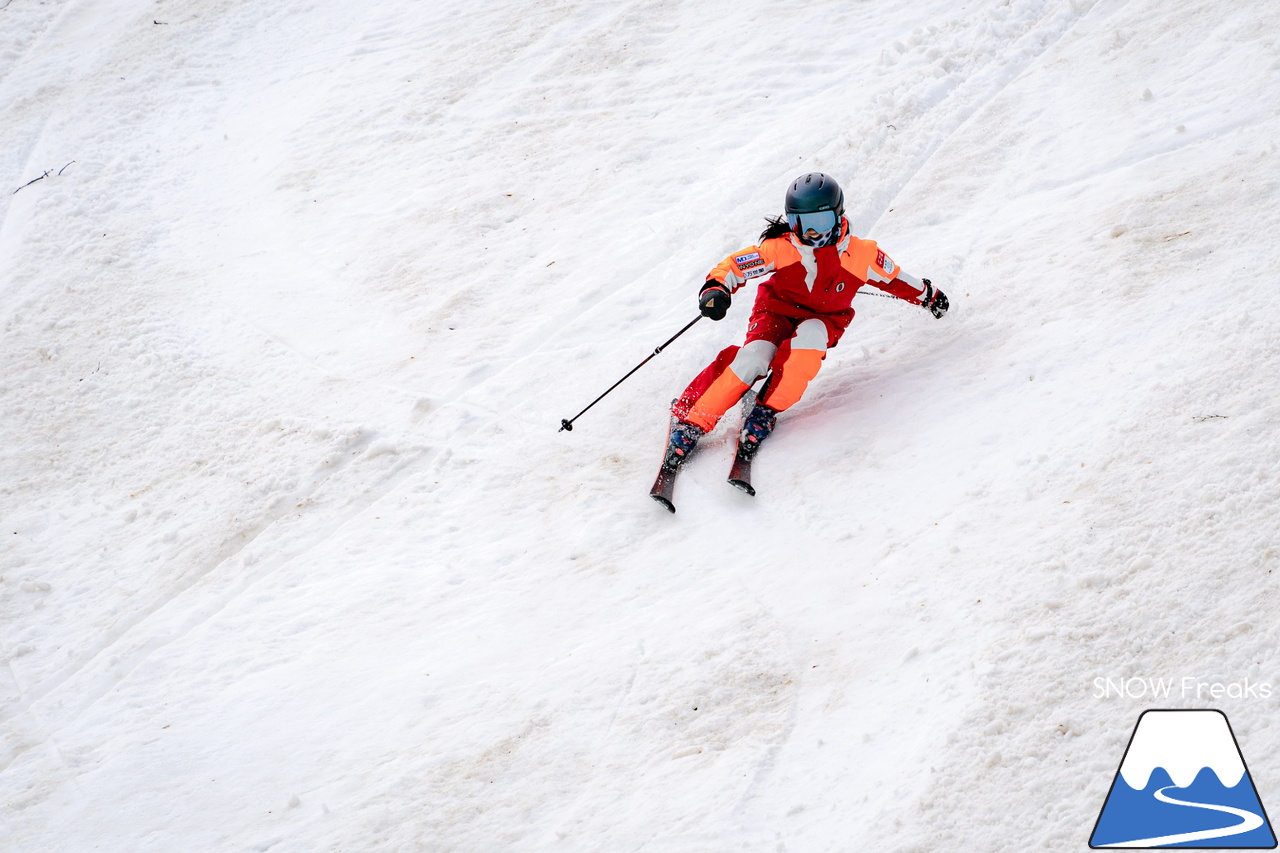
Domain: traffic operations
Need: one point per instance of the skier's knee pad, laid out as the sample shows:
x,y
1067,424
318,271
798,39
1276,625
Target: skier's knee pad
x,y
752,361
811,334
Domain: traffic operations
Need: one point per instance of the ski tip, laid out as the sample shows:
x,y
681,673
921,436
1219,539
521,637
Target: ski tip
x,y
665,502
741,484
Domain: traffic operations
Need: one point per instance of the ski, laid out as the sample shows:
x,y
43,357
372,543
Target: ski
x,y
757,423
740,473
665,483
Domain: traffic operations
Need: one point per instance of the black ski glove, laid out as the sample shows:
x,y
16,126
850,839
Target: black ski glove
x,y
935,301
713,300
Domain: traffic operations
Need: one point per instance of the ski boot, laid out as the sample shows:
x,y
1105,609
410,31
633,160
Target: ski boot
x,y
756,427
680,442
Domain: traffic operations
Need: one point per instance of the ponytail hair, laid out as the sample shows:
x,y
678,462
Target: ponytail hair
x,y
777,227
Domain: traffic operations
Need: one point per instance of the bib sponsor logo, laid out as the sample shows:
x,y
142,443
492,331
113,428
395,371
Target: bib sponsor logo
x,y
758,262
884,262
755,273
747,258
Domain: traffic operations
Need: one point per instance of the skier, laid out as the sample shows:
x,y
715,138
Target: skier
x,y
815,268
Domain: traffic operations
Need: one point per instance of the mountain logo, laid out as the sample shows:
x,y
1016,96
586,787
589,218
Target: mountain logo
x,y
1183,783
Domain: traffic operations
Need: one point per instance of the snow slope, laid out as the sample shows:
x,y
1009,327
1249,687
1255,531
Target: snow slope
x,y
295,559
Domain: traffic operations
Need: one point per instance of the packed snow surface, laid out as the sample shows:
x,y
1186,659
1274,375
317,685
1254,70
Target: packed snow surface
x,y
294,296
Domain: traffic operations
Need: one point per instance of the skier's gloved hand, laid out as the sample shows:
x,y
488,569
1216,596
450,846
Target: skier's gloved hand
x,y
713,300
935,301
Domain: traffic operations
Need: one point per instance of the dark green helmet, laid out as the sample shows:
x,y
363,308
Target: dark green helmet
x,y
815,204
813,192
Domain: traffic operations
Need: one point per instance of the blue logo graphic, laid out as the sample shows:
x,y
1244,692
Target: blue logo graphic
x,y
1183,783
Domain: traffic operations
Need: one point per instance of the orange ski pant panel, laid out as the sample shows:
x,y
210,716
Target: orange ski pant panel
x,y
792,377
698,404
718,399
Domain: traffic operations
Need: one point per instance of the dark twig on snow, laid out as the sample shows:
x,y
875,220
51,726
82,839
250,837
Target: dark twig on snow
x,y
46,174
6,4
30,182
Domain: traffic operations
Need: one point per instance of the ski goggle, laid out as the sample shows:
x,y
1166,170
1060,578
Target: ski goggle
x,y
821,221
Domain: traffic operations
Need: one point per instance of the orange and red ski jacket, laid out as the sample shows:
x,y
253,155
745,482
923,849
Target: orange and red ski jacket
x,y
803,281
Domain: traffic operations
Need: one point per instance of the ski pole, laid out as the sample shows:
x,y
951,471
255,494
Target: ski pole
x,y
567,423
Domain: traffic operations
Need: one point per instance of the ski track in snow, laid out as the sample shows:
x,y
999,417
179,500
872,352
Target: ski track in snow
x,y
298,561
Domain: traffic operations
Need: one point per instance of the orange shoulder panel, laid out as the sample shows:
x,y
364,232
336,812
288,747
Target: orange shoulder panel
x,y
869,263
745,264
779,252
860,260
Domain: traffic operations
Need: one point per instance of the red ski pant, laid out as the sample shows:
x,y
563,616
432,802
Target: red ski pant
x,y
792,349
